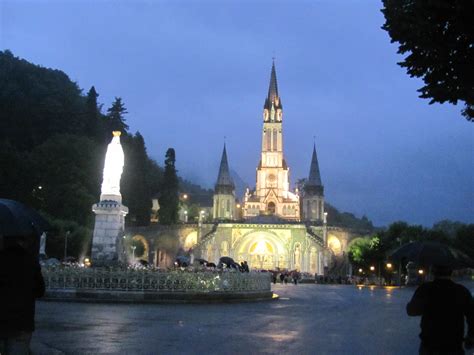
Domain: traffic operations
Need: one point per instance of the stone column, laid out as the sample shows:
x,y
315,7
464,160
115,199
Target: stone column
x,y
108,229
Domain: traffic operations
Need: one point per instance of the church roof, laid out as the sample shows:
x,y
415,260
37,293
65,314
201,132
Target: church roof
x,y
224,179
273,96
314,178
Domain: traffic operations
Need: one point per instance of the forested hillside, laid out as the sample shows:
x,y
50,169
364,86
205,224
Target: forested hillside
x,y
53,140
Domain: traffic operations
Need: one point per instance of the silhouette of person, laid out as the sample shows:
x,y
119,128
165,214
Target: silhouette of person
x,y
443,305
21,283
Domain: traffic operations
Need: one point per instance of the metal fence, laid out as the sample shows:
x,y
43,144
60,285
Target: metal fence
x,y
155,281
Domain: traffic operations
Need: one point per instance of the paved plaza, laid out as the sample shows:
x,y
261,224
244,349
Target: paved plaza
x,y
308,319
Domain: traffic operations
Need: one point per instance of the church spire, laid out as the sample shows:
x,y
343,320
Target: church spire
x,y
224,180
314,175
273,97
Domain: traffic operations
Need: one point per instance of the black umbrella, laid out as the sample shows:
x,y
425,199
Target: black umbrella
x,y
20,221
432,253
228,261
182,260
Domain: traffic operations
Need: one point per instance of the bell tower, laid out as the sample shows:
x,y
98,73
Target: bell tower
x,y
272,194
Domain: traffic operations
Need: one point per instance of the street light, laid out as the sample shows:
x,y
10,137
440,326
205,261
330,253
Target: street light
x,y
185,196
360,270
389,265
185,216
133,251
372,268
421,272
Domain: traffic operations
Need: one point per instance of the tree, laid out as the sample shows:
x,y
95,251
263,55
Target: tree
x,y
465,239
438,37
67,169
36,103
448,227
115,116
135,184
367,251
169,197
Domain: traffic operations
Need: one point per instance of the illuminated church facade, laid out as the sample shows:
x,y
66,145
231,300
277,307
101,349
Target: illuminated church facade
x,y
272,227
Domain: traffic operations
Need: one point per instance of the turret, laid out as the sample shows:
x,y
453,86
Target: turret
x,y
224,191
313,198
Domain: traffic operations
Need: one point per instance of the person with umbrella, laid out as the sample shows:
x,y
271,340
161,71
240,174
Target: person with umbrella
x,y
443,305
21,281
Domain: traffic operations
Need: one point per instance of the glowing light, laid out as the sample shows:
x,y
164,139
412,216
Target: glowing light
x,y
261,247
372,268
185,196
238,205
421,272
334,244
360,270
389,266
113,168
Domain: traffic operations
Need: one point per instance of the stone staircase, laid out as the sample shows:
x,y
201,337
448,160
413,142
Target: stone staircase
x,y
313,236
208,235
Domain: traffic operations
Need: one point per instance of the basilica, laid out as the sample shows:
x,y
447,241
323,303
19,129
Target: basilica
x,y
271,227
272,195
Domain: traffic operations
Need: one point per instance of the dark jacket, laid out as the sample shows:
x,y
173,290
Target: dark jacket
x,y
20,283
442,305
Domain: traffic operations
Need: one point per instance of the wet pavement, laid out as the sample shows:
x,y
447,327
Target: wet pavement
x,y
307,319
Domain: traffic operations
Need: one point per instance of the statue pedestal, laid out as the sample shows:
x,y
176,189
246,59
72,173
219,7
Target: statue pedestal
x,y
108,229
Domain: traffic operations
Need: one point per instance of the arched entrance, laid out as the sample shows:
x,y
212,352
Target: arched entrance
x,y
334,244
271,208
190,241
262,250
262,254
138,248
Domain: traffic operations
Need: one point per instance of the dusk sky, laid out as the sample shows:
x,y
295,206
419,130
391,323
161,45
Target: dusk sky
x,y
192,72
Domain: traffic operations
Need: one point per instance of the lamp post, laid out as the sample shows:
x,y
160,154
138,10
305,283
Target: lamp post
x,y
133,251
185,216
389,267
399,240
65,244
